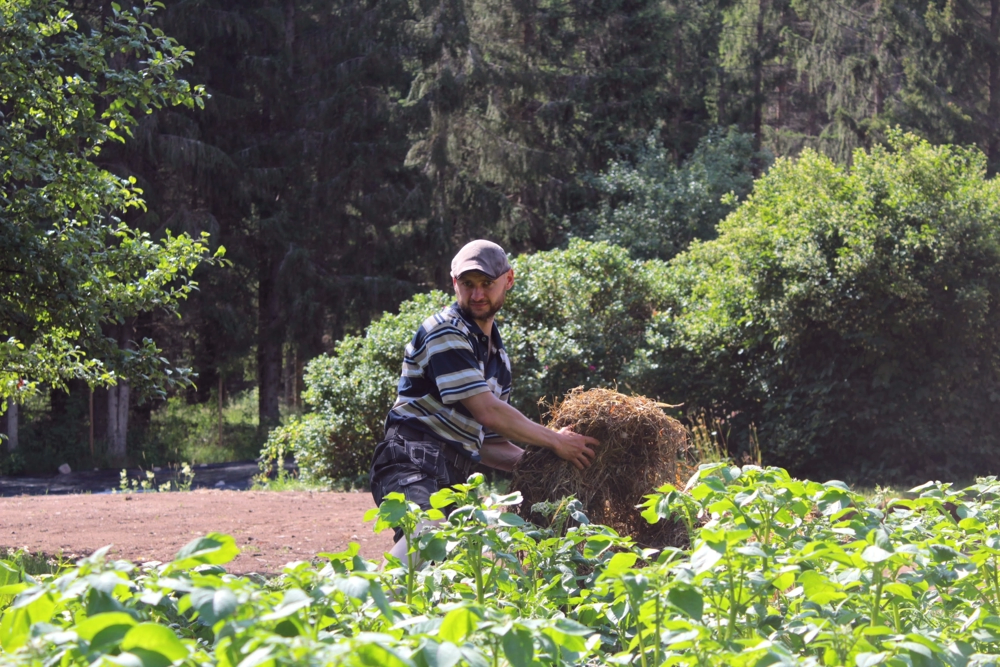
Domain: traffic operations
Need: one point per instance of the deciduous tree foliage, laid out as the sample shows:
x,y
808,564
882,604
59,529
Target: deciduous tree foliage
x,y
850,314
68,265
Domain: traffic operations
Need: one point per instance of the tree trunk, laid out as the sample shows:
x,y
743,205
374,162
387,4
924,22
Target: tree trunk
x,y
299,371
270,339
11,426
222,399
116,452
877,74
118,404
993,142
290,36
758,77
90,421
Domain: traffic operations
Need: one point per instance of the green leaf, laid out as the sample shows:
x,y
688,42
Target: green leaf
x,y
213,605
355,587
568,626
391,512
376,655
510,519
619,563
8,574
596,545
106,629
294,600
444,654
971,524
784,581
126,659
870,659
942,553
688,600
819,589
875,554
899,589
432,547
473,656
14,627
213,549
458,624
707,555
518,647
752,550
378,596
155,645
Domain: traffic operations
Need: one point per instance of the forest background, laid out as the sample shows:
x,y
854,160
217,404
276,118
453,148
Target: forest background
x,y
346,149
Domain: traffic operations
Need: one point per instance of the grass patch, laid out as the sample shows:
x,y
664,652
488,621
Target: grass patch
x,y
33,564
180,431
287,482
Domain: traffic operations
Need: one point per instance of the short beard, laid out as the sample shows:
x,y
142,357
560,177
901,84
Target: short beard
x,y
492,311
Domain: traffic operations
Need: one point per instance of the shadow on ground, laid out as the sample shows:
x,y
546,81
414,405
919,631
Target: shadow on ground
x,y
234,476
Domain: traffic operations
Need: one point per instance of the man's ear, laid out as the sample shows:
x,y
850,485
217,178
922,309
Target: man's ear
x,y
510,278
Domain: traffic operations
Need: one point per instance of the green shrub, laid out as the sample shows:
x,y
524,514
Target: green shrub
x,y
574,318
851,314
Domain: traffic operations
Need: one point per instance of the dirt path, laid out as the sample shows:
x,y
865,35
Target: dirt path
x,y
271,528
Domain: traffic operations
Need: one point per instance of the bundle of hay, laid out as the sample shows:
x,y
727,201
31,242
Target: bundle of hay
x,y
639,451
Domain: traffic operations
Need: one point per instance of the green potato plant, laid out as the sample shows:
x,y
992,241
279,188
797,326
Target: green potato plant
x,y
779,571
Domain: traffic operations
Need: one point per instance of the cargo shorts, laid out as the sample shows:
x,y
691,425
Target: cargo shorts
x,y
415,468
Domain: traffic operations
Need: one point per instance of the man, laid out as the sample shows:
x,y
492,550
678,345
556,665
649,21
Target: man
x,y
451,411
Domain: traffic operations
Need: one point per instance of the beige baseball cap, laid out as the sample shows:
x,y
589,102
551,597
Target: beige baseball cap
x,y
480,255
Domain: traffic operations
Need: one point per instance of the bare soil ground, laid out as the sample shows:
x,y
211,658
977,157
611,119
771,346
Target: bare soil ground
x,y
271,528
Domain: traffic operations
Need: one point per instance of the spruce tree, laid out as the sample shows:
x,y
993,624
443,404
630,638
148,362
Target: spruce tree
x,y
521,97
951,91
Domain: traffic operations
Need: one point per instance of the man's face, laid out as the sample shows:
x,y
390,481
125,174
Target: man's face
x,y
479,296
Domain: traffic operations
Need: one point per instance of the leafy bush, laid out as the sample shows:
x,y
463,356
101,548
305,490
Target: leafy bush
x,y
573,318
779,571
655,208
851,314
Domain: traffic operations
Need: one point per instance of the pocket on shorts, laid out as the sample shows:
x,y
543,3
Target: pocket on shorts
x,y
426,457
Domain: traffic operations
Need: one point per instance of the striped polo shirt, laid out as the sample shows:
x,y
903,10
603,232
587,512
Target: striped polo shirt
x,y
444,363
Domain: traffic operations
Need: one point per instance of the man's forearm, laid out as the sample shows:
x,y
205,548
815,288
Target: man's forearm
x,y
501,454
508,421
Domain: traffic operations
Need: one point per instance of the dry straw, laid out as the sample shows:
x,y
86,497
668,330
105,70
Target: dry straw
x,y
640,449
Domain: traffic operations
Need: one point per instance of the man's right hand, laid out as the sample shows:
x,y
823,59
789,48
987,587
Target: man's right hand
x,y
572,447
